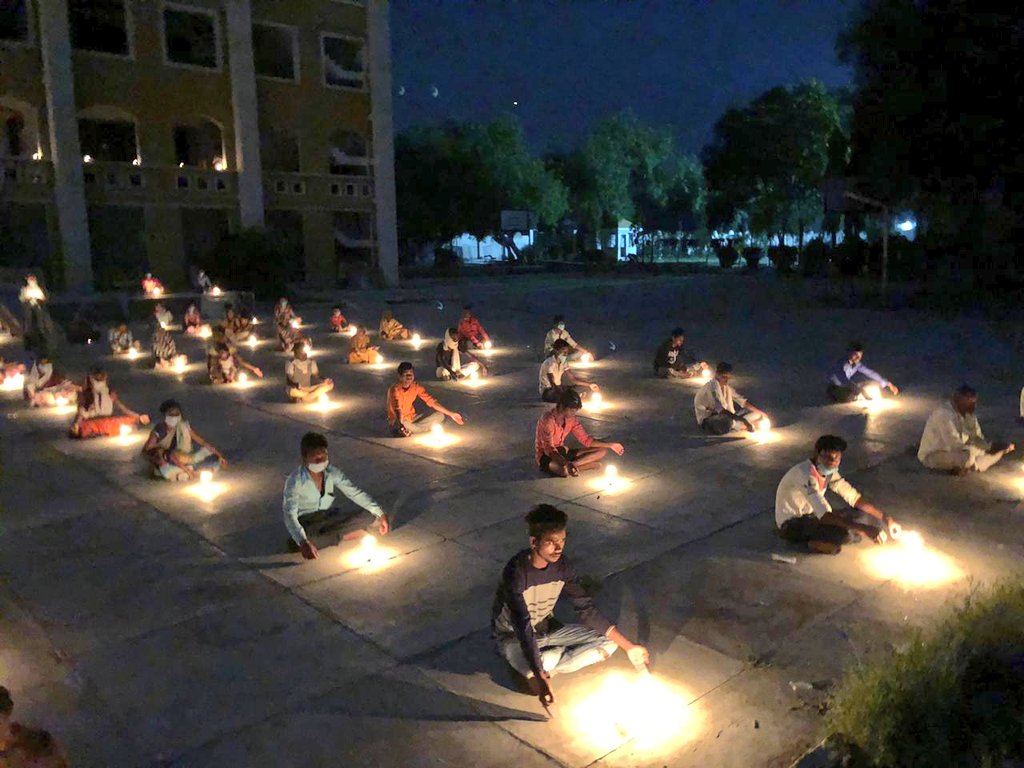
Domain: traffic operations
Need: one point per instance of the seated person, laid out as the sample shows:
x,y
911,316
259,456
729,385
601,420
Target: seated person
x,y
176,451
715,406
558,332
471,331
121,340
284,314
552,430
32,748
360,351
453,363
303,376
203,281
163,316
96,404
391,329
192,320
81,329
556,377
226,365
533,642
847,379
403,421
235,327
338,322
151,286
165,351
309,495
288,335
11,370
804,516
953,441
43,385
671,361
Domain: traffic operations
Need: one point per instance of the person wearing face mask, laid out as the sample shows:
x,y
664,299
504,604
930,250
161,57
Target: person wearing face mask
x,y
225,364
849,377
558,332
557,377
804,516
303,376
715,406
96,404
43,385
953,440
453,362
176,451
529,637
309,495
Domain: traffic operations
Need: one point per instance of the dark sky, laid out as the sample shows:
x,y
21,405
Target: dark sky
x,y
570,62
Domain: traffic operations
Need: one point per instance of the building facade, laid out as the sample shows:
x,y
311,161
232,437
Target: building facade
x,y
136,134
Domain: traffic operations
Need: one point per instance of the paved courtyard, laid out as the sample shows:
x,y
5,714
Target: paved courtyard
x,y
149,623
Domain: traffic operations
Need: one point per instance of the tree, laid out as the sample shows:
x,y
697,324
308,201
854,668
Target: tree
x,y
937,120
766,161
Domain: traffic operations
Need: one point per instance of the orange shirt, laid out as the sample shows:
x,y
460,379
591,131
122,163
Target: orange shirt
x,y
401,402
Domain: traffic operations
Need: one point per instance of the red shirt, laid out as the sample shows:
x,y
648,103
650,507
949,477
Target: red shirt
x,y
553,428
471,330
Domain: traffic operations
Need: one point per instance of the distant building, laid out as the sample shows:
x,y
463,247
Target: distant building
x,y
137,133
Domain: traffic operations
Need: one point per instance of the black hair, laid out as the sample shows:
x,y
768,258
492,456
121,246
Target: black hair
x,y
829,443
405,366
723,368
678,332
312,441
467,307
560,344
167,405
558,319
855,346
545,518
965,390
570,398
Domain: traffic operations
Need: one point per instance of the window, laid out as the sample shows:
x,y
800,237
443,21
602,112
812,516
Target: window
x,y
347,154
14,21
190,37
199,146
110,141
99,25
343,61
274,51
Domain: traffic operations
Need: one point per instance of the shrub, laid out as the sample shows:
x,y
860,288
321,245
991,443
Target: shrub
x,y
954,697
815,259
851,256
783,257
727,256
752,256
447,263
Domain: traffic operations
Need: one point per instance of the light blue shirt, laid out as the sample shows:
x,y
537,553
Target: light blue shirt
x,y
302,497
843,372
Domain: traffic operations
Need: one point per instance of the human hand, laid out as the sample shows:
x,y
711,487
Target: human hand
x,y
457,418
571,470
223,461
638,656
383,525
880,537
547,693
258,372
894,528
1010,447
617,448
308,549
593,387
144,419
893,388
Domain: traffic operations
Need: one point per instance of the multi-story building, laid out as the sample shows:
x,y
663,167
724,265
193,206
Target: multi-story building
x,y
136,134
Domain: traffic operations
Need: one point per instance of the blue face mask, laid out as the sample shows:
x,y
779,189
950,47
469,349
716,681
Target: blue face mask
x,y
826,471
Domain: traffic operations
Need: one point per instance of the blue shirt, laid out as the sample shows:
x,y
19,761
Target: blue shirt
x,y
302,497
842,374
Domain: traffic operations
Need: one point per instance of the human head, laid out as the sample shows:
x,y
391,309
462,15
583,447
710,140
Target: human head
x,y
965,399
723,372
558,321
229,312
387,314
467,312
30,278
299,350
828,451
98,375
313,448
561,347
677,337
33,745
222,351
546,524
406,374
855,352
336,311
122,327
570,401
170,408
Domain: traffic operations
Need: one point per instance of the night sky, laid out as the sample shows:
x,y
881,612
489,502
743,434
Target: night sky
x,y
572,62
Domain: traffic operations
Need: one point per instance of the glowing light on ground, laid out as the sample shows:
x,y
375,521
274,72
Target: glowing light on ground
x,y
595,402
417,342
473,380
127,436
619,706
611,481
215,291
253,342
133,353
437,438
207,491
488,344
206,476
586,357
324,404
911,563
124,430
763,433
204,332
369,554
63,410
13,383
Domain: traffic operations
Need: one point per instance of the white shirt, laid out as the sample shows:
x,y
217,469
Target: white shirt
x,y
554,335
947,430
713,398
302,372
556,368
802,492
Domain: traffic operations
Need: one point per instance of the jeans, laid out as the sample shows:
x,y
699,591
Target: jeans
x,y
564,650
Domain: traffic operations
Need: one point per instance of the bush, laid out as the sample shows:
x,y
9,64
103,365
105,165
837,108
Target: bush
x,y
752,256
783,257
815,258
955,697
727,256
851,256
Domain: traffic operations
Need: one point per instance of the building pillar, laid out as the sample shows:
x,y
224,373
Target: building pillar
x,y
318,247
65,149
383,140
244,106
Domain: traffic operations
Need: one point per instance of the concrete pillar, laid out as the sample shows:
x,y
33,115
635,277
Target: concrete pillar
x,y
244,105
318,247
383,140
65,150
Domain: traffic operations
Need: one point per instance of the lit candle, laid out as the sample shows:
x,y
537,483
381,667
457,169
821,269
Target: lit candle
x,y
380,358
133,353
872,392
14,383
586,357
295,322
416,340
253,341
611,473
61,400
488,344
764,425
206,476
323,399
705,374
255,320
243,377
307,347
437,431
368,546
179,365
125,430
205,332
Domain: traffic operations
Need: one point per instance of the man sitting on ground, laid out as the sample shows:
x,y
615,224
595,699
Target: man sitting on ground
x,y
121,340
804,516
235,327
558,332
556,377
535,645
715,406
471,331
671,361
391,329
165,350
360,350
309,495
953,441
303,376
176,451
849,377
163,316
403,420
453,362
552,430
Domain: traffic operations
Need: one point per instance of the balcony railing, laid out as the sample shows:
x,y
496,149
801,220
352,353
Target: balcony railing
x,y
25,179
300,190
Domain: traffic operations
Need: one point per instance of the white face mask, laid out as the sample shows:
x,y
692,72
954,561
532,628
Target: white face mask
x,y
172,421
561,326
318,467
